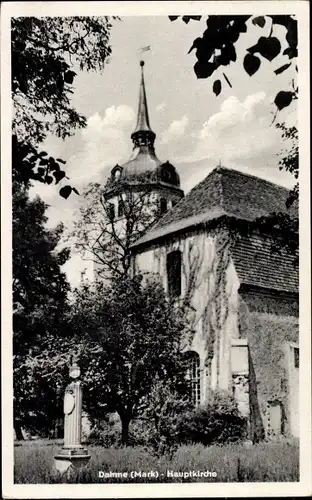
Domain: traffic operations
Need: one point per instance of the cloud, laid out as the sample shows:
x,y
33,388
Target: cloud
x,y
160,107
240,131
240,136
175,130
106,141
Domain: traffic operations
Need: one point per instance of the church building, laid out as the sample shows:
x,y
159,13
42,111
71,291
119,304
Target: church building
x,y
206,247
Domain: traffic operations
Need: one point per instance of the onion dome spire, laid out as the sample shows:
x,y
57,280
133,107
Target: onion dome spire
x,y
143,134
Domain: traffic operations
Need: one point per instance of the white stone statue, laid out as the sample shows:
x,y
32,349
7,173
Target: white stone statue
x,y
73,454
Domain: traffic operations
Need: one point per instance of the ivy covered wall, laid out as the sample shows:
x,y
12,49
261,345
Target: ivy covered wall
x,y
269,323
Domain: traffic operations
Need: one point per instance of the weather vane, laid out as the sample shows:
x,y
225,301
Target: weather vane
x,y
147,48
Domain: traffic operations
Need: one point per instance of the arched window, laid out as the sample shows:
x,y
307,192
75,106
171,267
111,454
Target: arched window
x,y
174,271
163,205
193,375
116,173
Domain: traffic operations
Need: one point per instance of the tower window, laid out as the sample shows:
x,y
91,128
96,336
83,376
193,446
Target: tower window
x,y
168,174
193,375
111,211
163,205
121,208
174,271
296,357
116,173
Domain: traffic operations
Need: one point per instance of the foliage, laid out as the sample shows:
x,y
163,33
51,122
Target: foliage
x,y
46,53
216,48
170,420
290,159
264,462
125,334
218,421
103,236
285,226
105,433
165,408
39,299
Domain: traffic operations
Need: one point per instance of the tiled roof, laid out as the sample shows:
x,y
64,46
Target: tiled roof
x,y
231,193
257,265
223,192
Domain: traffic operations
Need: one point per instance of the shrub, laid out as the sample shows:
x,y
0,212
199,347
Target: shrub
x,y
169,421
106,433
218,421
162,413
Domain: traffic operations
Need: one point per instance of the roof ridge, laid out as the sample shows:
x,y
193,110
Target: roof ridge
x,y
222,188
251,176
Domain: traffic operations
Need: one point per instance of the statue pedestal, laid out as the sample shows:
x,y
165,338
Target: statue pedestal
x,y
71,457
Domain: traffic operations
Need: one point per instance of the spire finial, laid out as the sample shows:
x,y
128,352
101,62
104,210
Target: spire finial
x,y
143,134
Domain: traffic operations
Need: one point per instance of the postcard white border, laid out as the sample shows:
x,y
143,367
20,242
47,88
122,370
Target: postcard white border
x,y
303,487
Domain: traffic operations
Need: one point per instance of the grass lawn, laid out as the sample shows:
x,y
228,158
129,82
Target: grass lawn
x,y
277,461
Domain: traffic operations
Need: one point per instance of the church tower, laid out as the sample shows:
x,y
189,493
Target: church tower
x,y
144,172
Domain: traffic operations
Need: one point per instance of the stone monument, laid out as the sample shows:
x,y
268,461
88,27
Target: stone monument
x,y
73,455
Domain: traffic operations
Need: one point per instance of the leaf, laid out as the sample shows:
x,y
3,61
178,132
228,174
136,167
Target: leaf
x,y
217,87
43,153
58,175
65,191
282,68
41,171
259,21
61,161
33,158
283,99
196,44
69,77
49,179
204,69
227,80
232,34
55,167
291,52
173,18
269,47
75,191
251,64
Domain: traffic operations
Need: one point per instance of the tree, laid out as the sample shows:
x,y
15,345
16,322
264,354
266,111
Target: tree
x,y
216,48
46,53
290,158
39,294
105,232
127,336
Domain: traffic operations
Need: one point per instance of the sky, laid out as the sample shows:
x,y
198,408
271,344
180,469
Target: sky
x,y
195,130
